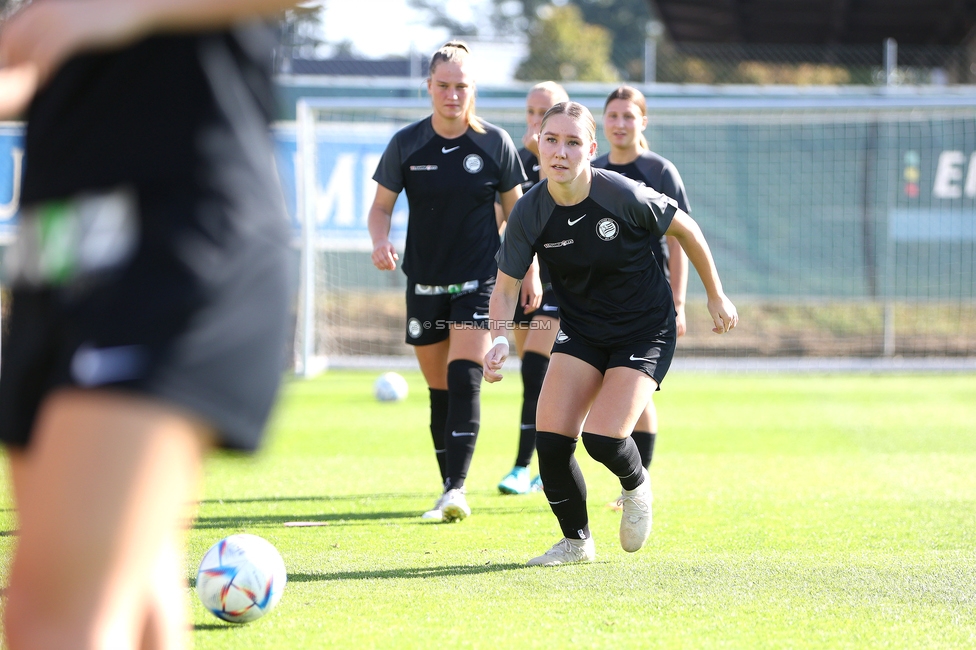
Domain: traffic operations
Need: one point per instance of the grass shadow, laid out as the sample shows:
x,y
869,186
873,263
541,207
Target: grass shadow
x,y
204,523
199,627
326,498
395,574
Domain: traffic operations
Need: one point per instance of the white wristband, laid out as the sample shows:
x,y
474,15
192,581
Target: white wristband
x,y
500,340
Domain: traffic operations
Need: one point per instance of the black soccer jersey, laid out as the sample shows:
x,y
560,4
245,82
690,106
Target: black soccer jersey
x,y
531,165
658,173
190,110
451,184
609,288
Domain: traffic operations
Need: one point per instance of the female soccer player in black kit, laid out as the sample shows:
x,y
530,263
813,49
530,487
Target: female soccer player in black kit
x,y
624,120
451,165
149,299
594,229
535,328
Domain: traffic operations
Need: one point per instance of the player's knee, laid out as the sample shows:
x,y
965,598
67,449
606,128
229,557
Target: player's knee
x,y
601,448
534,366
553,446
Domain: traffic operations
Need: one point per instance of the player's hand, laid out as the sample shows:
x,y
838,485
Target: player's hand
x,y
494,361
17,87
723,314
680,321
530,293
385,256
46,34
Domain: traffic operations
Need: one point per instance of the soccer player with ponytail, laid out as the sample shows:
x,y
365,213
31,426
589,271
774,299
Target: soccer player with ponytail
x,y
451,165
624,121
594,229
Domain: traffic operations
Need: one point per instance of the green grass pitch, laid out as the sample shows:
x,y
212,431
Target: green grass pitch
x,y
790,512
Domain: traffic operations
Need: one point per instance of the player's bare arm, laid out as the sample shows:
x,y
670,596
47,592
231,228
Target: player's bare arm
x,y
678,271
689,235
501,308
380,216
39,38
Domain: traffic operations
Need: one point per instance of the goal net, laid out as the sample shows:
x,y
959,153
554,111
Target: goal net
x,y
842,225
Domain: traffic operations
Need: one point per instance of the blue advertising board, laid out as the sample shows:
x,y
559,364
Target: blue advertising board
x,y
11,167
347,156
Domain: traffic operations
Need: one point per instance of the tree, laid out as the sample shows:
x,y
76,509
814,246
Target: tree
x,y
563,47
440,17
627,20
298,32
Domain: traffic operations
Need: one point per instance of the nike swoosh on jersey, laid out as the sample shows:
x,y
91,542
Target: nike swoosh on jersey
x,y
461,434
535,168
550,307
446,150
573,222
479,316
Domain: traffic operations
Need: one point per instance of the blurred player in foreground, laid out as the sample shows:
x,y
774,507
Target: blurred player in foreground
x,y
149,300
594,229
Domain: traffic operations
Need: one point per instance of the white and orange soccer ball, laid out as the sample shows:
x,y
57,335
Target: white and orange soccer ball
x,y
241,578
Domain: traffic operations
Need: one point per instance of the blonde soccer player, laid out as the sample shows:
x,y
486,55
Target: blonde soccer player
x,y
594,229
451,165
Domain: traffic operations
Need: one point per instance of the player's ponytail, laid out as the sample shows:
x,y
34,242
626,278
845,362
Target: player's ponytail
x,y
457,52
635,97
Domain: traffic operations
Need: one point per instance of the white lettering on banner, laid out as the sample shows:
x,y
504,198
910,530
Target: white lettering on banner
x,y
338,198
948,173
8,210
970,188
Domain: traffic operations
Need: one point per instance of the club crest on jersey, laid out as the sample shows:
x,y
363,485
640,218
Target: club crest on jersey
x,y
606,229
473,163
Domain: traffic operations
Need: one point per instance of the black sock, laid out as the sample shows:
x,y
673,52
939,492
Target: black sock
x,y
463,418
563,483
438,420
619,455
534,367
645,445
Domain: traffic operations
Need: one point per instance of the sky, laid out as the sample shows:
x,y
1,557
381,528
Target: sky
x,y
378,28
391,27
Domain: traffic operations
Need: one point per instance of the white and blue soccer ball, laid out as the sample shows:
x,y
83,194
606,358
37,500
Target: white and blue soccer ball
x,y
390,387
241,578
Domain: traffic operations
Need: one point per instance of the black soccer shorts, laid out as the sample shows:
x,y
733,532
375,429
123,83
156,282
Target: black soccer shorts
x,y
549,307
155,303
652,357
433,309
